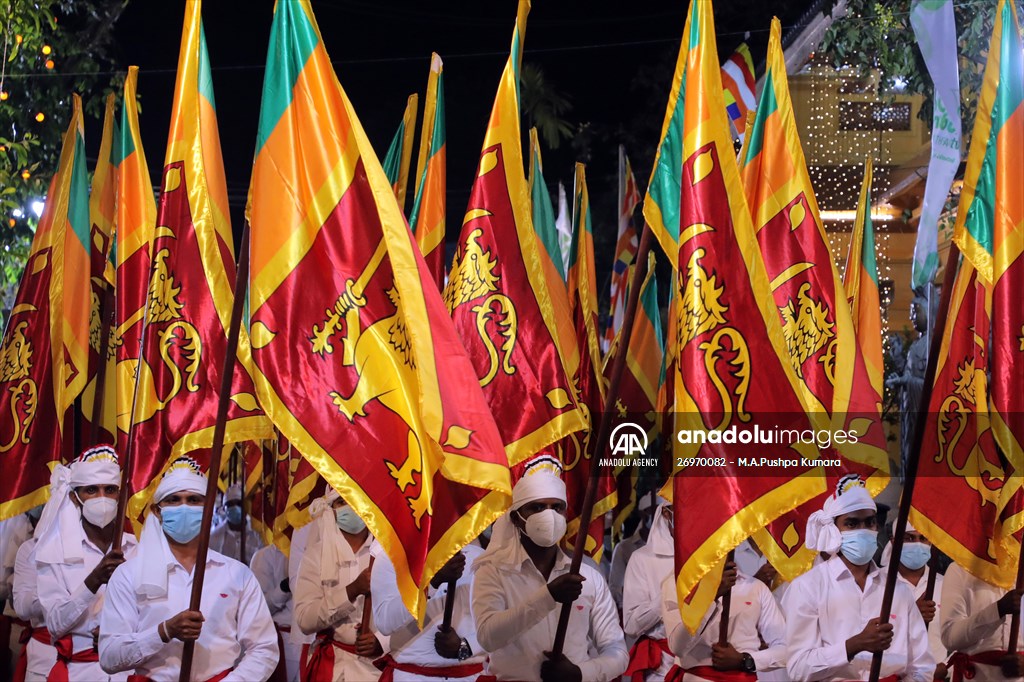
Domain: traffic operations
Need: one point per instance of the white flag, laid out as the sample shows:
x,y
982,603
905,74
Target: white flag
x,y
935,30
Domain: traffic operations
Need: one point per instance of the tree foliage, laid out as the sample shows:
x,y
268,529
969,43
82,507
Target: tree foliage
x,y
876,35
50,48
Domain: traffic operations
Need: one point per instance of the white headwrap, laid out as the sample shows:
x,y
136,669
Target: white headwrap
x,y
234,493
326,537
59,531
822,533
153,554
504,547
660,538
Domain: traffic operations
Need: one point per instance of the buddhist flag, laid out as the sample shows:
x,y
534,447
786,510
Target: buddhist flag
x,y
102,200
31,388
990,226
399,156
543,214
740,84
190,291
966,466
812,309
357,362
625,249
734,371
637,400
499,293
136,223
428,210
579,452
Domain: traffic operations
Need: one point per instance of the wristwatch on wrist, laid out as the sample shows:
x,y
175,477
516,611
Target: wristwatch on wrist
x,y
464,650
748,664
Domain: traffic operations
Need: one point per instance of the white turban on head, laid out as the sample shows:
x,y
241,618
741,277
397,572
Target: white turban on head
x,y
153,554
822,533
59,530
234,493
540,481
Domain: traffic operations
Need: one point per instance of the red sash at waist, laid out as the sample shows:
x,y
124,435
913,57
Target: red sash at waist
x,y
963,665
65,656
41,635
388,665
646,656
320,665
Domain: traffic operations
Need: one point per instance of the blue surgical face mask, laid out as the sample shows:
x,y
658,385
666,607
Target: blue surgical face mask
x,y
234,514
348,521
915,555
181,523
859,545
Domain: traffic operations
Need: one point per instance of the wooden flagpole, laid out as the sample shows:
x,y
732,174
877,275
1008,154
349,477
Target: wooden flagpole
x,y
910,475
213,474
604,429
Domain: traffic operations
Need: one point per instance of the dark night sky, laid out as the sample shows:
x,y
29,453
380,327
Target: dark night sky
x,y
613,59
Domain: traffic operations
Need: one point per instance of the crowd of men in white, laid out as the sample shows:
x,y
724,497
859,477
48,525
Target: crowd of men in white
x,y
90,611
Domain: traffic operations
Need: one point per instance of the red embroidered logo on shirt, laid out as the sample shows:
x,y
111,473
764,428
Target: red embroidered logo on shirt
x,y
579,607
747,603
224,595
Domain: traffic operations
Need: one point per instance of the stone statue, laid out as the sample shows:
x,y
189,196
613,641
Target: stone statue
x,y
910,382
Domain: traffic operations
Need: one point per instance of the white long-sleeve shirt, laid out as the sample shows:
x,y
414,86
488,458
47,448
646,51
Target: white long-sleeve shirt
x,y
228,541
237,629
408,643
641,600
13,533
753,616
825,607
296,551
69,607
935,645
516,618
39,657
621,555
270,566
323,603
970,619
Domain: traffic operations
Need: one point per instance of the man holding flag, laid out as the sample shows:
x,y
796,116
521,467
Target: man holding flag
x,y
146,620
832,627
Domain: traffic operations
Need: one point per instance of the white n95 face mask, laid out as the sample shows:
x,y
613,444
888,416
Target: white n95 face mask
x,y
545,528
100,511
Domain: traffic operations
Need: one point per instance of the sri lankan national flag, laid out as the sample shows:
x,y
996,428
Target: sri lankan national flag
x,y
32,353
543,214
990,227
860,280
357,361
399,156
733,369
812,308
960,459
136,224
102,209
579,452
190,291
428,210
641,380
70,288
499,293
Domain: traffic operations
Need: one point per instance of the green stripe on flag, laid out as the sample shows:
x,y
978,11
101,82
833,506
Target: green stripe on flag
x,y
205,75
649,304
867,256
393,159
124,145
765,108
292,41
544,219
78,199
440,134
